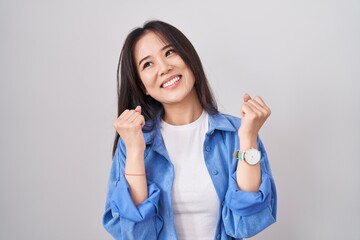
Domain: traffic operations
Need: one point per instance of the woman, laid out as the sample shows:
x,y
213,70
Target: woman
x,y
181,169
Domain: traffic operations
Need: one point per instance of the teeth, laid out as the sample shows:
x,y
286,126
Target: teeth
x,y
171,82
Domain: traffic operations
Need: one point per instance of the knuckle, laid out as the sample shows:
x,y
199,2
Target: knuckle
x,y
128,125
132,126
124,112
117,124
252,116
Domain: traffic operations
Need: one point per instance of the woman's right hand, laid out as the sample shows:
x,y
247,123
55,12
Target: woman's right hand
x,y
129,126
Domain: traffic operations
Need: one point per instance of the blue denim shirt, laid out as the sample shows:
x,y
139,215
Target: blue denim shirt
x,y
241,213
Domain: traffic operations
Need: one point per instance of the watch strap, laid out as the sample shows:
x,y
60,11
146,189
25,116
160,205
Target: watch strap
x,y
239,155
243,156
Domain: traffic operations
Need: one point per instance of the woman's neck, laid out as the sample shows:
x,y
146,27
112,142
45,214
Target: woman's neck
x,y
184,114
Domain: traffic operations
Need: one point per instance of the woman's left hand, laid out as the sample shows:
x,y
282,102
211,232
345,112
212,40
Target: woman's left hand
x,y
254,114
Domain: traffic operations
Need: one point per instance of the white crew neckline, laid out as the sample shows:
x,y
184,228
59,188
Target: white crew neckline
x,y
195,123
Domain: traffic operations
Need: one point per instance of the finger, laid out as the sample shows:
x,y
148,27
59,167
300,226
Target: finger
x,y
246,109
133,116
257,107
123,114
262,103
246,97
138,109
130,115
140,120
259,100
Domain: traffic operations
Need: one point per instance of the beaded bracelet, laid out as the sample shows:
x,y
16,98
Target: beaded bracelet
x,y
135,174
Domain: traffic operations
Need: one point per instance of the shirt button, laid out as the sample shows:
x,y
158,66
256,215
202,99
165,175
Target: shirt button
x,y
215,172
208,148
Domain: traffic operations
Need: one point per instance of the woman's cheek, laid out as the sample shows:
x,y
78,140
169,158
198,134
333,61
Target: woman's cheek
x,y
148,79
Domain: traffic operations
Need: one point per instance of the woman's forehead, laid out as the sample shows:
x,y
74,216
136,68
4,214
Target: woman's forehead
x,y
150,43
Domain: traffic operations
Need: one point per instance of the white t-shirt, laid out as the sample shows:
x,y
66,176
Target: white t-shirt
x,y
195,202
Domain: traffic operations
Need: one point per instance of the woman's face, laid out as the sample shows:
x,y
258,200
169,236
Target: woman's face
x,y
164,74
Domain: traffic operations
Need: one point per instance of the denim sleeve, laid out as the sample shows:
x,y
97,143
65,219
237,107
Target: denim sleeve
x,y
247,213
122,218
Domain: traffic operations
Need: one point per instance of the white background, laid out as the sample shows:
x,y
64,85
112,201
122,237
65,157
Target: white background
x,y
58,63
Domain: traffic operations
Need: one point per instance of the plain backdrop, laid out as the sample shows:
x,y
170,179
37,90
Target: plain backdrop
x,y
58,63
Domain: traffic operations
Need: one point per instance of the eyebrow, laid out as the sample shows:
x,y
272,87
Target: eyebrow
x,y
162,49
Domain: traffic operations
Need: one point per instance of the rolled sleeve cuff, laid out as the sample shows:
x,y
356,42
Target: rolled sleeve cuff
x,y
244,203
122,203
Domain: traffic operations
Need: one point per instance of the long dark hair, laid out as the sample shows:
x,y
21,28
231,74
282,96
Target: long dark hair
x,y
130,90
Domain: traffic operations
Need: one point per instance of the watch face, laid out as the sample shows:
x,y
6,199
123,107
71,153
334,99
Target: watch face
x,y
252,156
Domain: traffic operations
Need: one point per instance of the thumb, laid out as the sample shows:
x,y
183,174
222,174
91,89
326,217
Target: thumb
x,y
138,109
246,97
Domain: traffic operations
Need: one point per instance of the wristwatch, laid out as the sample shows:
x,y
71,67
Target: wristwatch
x,y
251,156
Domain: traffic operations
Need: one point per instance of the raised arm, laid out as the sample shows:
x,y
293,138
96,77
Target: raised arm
x,y
129,126
131,209
254,114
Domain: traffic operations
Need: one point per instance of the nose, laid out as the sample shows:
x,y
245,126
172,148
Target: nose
x,y
164,67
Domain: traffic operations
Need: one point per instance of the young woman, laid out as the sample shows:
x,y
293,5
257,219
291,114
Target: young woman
x,y
181,169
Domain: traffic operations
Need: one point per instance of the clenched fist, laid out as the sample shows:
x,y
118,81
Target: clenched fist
x,y
254,114
129,126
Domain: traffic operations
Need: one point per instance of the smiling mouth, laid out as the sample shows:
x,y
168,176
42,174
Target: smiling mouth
x,y
171,82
